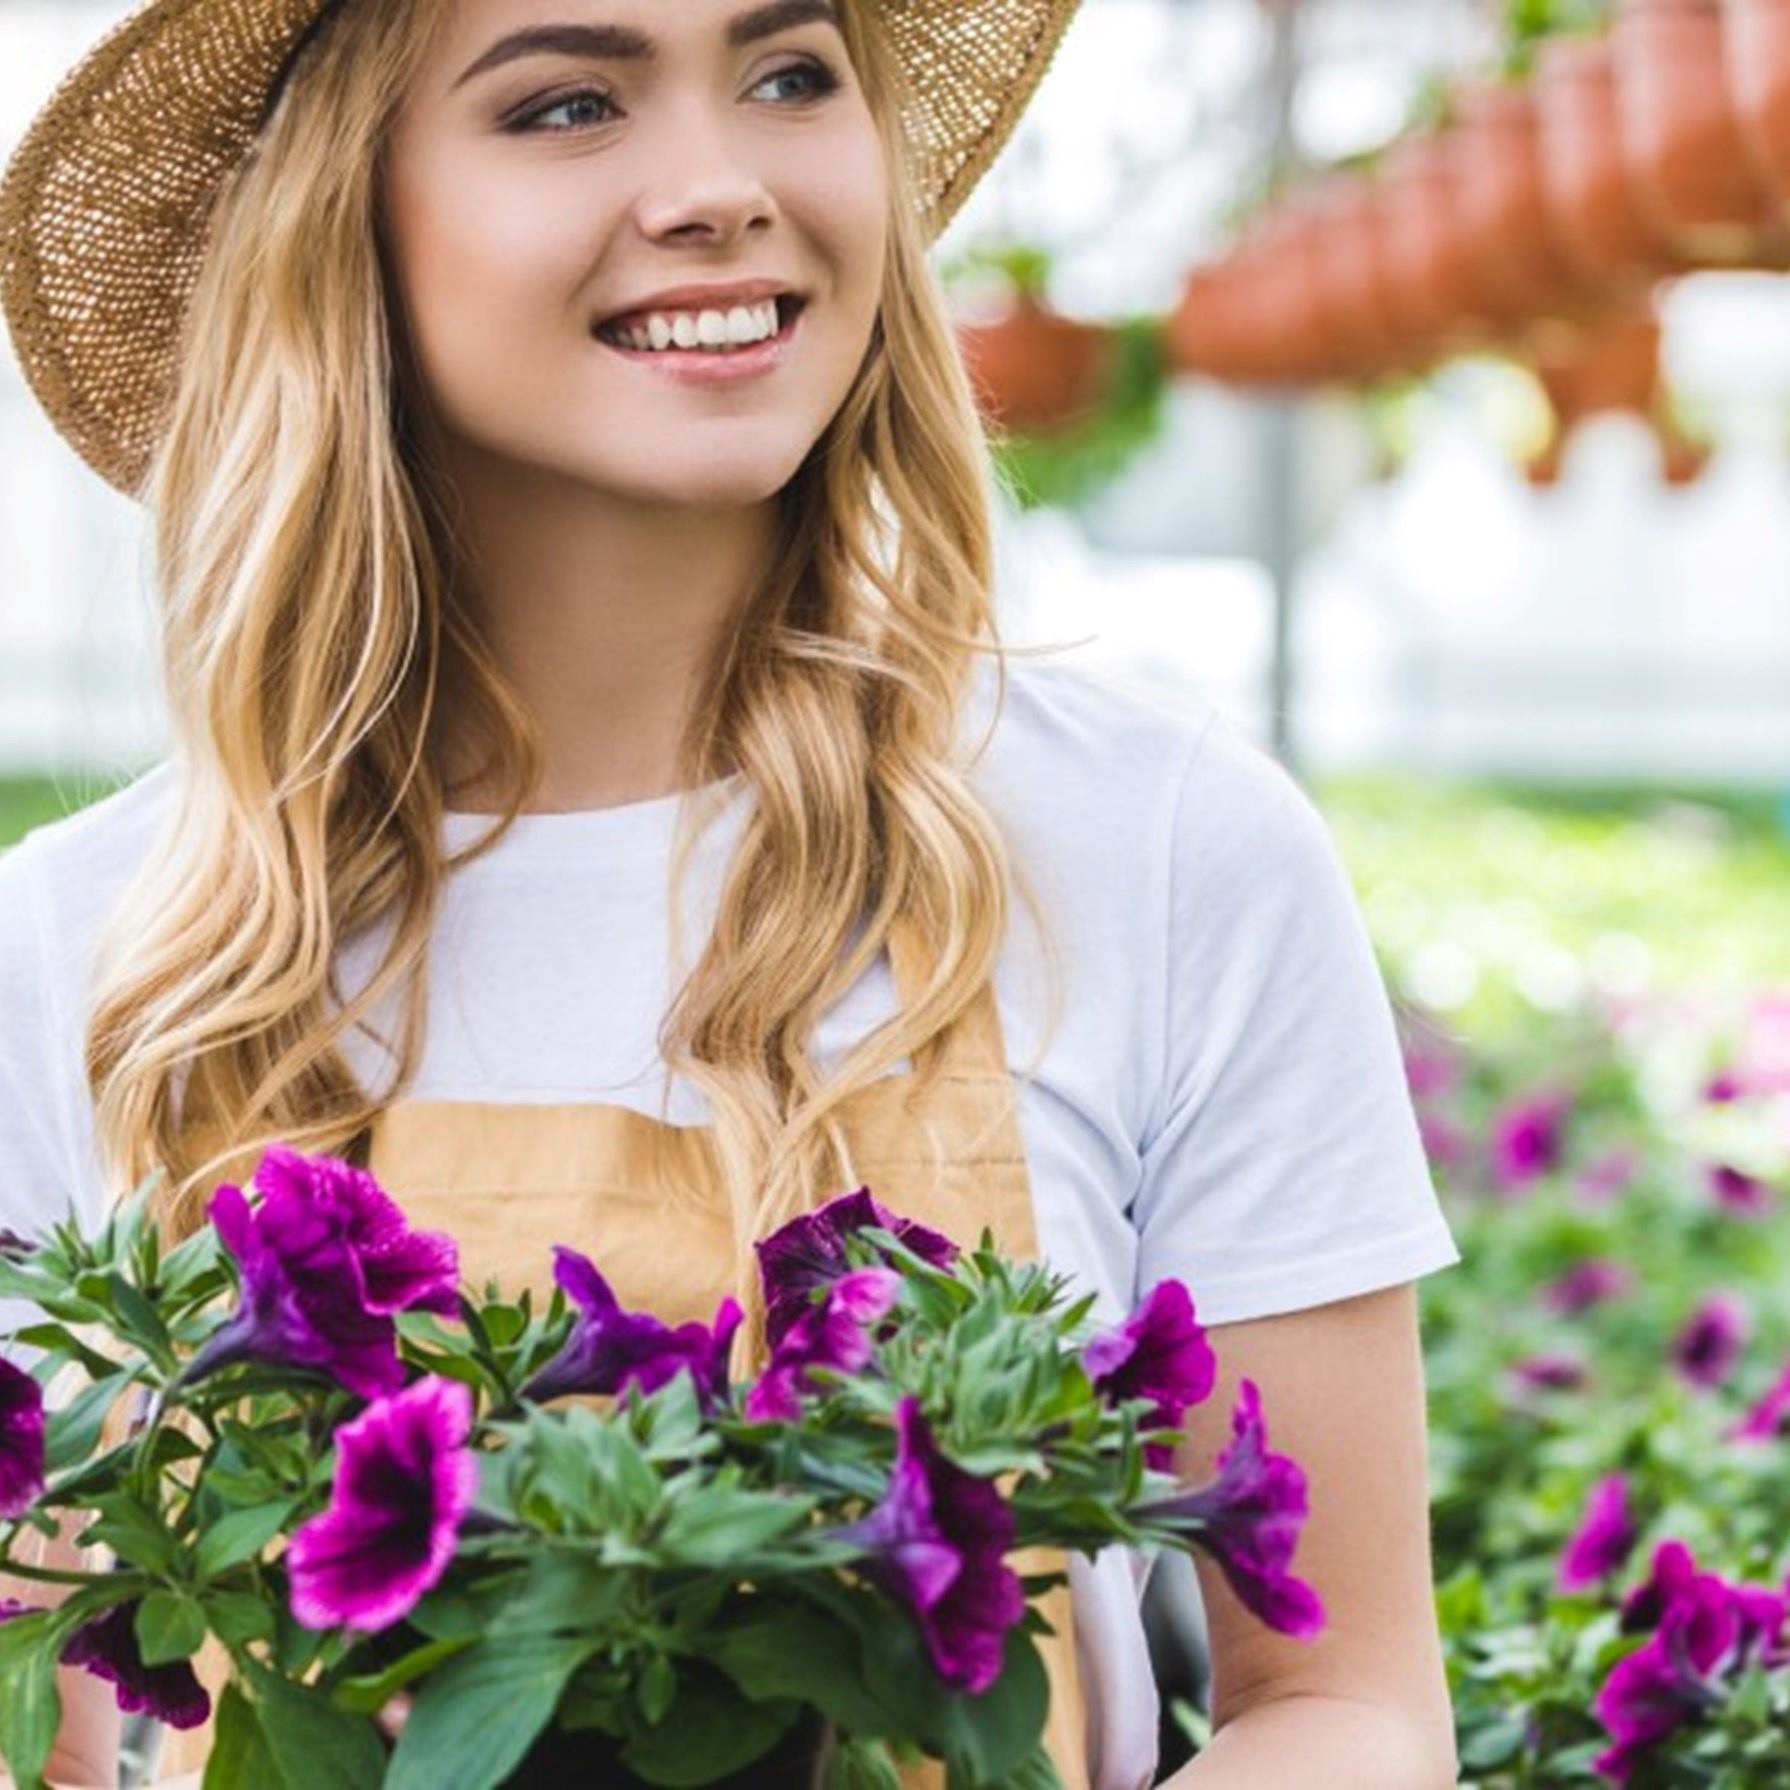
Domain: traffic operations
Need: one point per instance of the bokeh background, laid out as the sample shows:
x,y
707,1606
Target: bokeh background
x,y
1411,380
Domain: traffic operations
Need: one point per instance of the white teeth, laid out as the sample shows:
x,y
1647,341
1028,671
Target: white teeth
x,y
708,330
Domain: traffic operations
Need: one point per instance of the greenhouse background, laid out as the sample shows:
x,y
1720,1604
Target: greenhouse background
x,y
1536,670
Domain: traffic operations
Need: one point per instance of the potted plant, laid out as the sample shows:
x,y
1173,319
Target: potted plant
x,y
1508,224
1349,273
1681,132
1758,45
1034,369
1586,182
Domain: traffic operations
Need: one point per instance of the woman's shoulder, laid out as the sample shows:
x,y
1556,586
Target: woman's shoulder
x,y
1111,766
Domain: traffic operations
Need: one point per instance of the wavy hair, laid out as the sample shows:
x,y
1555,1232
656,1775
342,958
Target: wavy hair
x,y
306,552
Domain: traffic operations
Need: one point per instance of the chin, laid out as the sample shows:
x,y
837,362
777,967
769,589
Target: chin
x,y
695,479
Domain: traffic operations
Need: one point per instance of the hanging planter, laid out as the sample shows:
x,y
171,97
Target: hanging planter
x,y
1508,225
1758,45
1586,184
1297,345
1348,272
1429,275
1681,132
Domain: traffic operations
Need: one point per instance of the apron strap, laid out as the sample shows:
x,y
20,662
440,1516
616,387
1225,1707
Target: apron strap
x,y
974,1049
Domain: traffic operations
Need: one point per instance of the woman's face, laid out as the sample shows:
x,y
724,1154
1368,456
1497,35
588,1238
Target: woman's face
x,y
560,162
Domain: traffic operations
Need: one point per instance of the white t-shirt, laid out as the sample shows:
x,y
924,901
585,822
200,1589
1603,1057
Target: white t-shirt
x,y
1222,1099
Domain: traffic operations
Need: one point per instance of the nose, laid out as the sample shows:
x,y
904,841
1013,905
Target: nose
x,y
704,186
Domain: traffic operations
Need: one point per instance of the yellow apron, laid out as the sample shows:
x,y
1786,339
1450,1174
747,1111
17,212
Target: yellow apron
x,y
644,1200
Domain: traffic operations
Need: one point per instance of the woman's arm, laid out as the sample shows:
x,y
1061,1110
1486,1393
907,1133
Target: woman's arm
x,y
1364,1706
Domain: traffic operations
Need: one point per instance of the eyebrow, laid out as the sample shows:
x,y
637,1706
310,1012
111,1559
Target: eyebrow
x,y
623,43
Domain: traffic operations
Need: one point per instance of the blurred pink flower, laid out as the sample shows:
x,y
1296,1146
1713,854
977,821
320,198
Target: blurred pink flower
x,y
1586,1284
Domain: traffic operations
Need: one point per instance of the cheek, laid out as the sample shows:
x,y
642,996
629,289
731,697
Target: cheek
x,y
485,265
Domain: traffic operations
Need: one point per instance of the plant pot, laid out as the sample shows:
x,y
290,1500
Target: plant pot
x,y
1035,370
1758,46
1509,227
1428,273
1612,366
1597,219
576,1761
1207,332
1294,342
1347,271
1681,133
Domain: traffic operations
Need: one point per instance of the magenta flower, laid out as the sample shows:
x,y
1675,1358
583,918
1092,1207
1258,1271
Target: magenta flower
x,y
1430,1071
808,1253
1741,1194
834,1334
1248,1518
21,1440
10,1608
1600,1181
938,1543
1764,1422
405,1480
1604,1539
1671,1576
1550,1371
1724,1087
1444,1143
13,1247
107,1646
1707,1347
1528,1140
610,1349
1159,1353
326,1259
1586,1284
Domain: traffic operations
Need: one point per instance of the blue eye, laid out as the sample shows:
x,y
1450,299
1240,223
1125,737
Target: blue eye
x,y
823,82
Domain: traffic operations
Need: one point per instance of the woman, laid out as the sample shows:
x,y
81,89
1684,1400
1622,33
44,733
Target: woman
x,y
483,539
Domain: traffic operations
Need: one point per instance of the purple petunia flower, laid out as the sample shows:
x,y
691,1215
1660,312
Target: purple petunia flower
x,y
1159,1353
1550,1371
107,1646
405,1480
11,1608
21,1440
1586,1284
1528,1140
1707,1347
1673,1572
1656,1689
1724,1087
13,1247
1430,1070
1734,1191
1764,1422
809,1253
326,1259
833,1334
1248,1518
938,1542
1604,1539
1600,1181
610,1349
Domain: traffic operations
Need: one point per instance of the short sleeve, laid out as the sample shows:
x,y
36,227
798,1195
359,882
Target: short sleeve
x,y
1282,1166
36,1182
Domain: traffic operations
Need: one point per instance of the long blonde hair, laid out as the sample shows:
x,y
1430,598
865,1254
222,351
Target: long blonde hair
x,y
306,555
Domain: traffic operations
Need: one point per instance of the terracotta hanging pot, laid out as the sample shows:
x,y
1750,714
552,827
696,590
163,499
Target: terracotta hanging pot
x,y
1208,331
1611,366
1347,270
1036,371
1681,132
1758,44
1589,191
1518,262
1299,341
1428,272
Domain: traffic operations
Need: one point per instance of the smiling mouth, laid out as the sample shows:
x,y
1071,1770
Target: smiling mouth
x,y
790,305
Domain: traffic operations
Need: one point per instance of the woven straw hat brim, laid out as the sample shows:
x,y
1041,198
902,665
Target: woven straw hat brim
x,y
104,204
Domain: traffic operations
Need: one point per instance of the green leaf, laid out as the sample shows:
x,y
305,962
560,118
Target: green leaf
x,y
710,1733
239,1616
994,1734
858,1764
170,1626
796,1650
239,1754
133,1531
475,1719
313,1743
716,1525
369,1693
241,1536
31,1709
73,1431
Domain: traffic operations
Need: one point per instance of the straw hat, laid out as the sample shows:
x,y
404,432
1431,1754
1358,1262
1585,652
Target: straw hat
x,y
104,204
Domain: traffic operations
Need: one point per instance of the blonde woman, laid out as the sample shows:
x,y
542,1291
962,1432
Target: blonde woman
x,y
599,802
